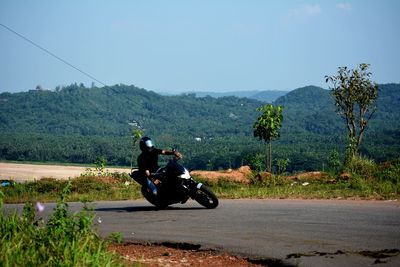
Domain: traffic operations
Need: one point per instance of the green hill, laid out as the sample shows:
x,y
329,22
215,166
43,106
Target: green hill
x,y
107,111
78,124
312,127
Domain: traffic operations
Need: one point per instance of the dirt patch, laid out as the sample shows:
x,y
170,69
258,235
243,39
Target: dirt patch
x,y
160,255
30,172
241,175
244,173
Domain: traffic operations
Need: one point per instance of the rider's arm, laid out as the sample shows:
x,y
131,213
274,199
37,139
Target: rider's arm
x,y
170,152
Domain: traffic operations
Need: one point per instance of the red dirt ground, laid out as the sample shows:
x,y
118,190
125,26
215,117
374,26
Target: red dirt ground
x,y
157,255
241,175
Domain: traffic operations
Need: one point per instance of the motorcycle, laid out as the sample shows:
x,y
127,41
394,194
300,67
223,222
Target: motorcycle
x,y
173,184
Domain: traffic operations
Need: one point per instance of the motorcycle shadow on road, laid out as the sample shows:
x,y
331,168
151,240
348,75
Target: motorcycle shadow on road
x,y
146,208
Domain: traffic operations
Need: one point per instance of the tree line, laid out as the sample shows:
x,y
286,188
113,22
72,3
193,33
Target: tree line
x,y
78,124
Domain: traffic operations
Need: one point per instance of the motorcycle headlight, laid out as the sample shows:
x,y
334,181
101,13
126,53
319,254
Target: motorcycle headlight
x,y
185,175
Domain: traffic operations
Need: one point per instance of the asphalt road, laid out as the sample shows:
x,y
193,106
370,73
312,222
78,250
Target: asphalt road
x,y
291,232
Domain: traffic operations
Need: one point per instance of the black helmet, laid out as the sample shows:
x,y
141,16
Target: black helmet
x,y
146,144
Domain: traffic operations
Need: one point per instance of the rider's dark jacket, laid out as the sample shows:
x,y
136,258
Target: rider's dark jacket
x,y
148,161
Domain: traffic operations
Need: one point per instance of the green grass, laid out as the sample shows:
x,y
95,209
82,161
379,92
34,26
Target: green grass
x,y
367,181
314,190
87,187
65,240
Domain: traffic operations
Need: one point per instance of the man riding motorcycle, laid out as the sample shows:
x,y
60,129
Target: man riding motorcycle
x,y
148,160
171,184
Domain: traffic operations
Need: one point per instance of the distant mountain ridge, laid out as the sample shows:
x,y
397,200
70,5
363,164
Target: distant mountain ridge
x,y
264,96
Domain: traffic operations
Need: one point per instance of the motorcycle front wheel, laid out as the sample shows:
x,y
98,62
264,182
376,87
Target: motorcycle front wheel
x,y
205,197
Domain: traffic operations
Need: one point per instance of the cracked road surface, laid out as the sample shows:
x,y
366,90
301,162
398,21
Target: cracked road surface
x,y
281,232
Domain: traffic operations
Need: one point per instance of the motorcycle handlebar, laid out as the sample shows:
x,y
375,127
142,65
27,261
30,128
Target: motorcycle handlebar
x,y
176,158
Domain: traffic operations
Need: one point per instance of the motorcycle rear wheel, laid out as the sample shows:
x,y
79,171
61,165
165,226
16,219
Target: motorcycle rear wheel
x,y
152,200
205,197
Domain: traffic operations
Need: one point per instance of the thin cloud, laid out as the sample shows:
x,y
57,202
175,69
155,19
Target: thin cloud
x,y
305,11
344,6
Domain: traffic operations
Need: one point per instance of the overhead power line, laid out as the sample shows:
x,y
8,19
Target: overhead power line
x,y
52,54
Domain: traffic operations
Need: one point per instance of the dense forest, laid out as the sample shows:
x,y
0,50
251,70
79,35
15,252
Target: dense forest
x,y
79,124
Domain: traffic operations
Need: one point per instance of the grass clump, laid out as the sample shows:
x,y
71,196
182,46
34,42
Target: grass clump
x,y
372,179
362,167
65,240
88,187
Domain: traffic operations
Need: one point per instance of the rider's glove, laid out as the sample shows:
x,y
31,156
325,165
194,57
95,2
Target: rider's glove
x,y
177,154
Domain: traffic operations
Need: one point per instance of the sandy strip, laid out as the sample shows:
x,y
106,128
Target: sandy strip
x,y
29,172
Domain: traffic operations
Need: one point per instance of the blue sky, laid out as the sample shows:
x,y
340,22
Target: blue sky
x,y
208,45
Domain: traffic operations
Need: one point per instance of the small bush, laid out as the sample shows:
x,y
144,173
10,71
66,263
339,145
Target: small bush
x,y
334,162
362,166
386,188
357,182
268,180
47,185
122,177
85,184
390,171
257,162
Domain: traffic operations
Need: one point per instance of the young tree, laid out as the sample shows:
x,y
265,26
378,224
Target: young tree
x,y
137,133
354,94
267,127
